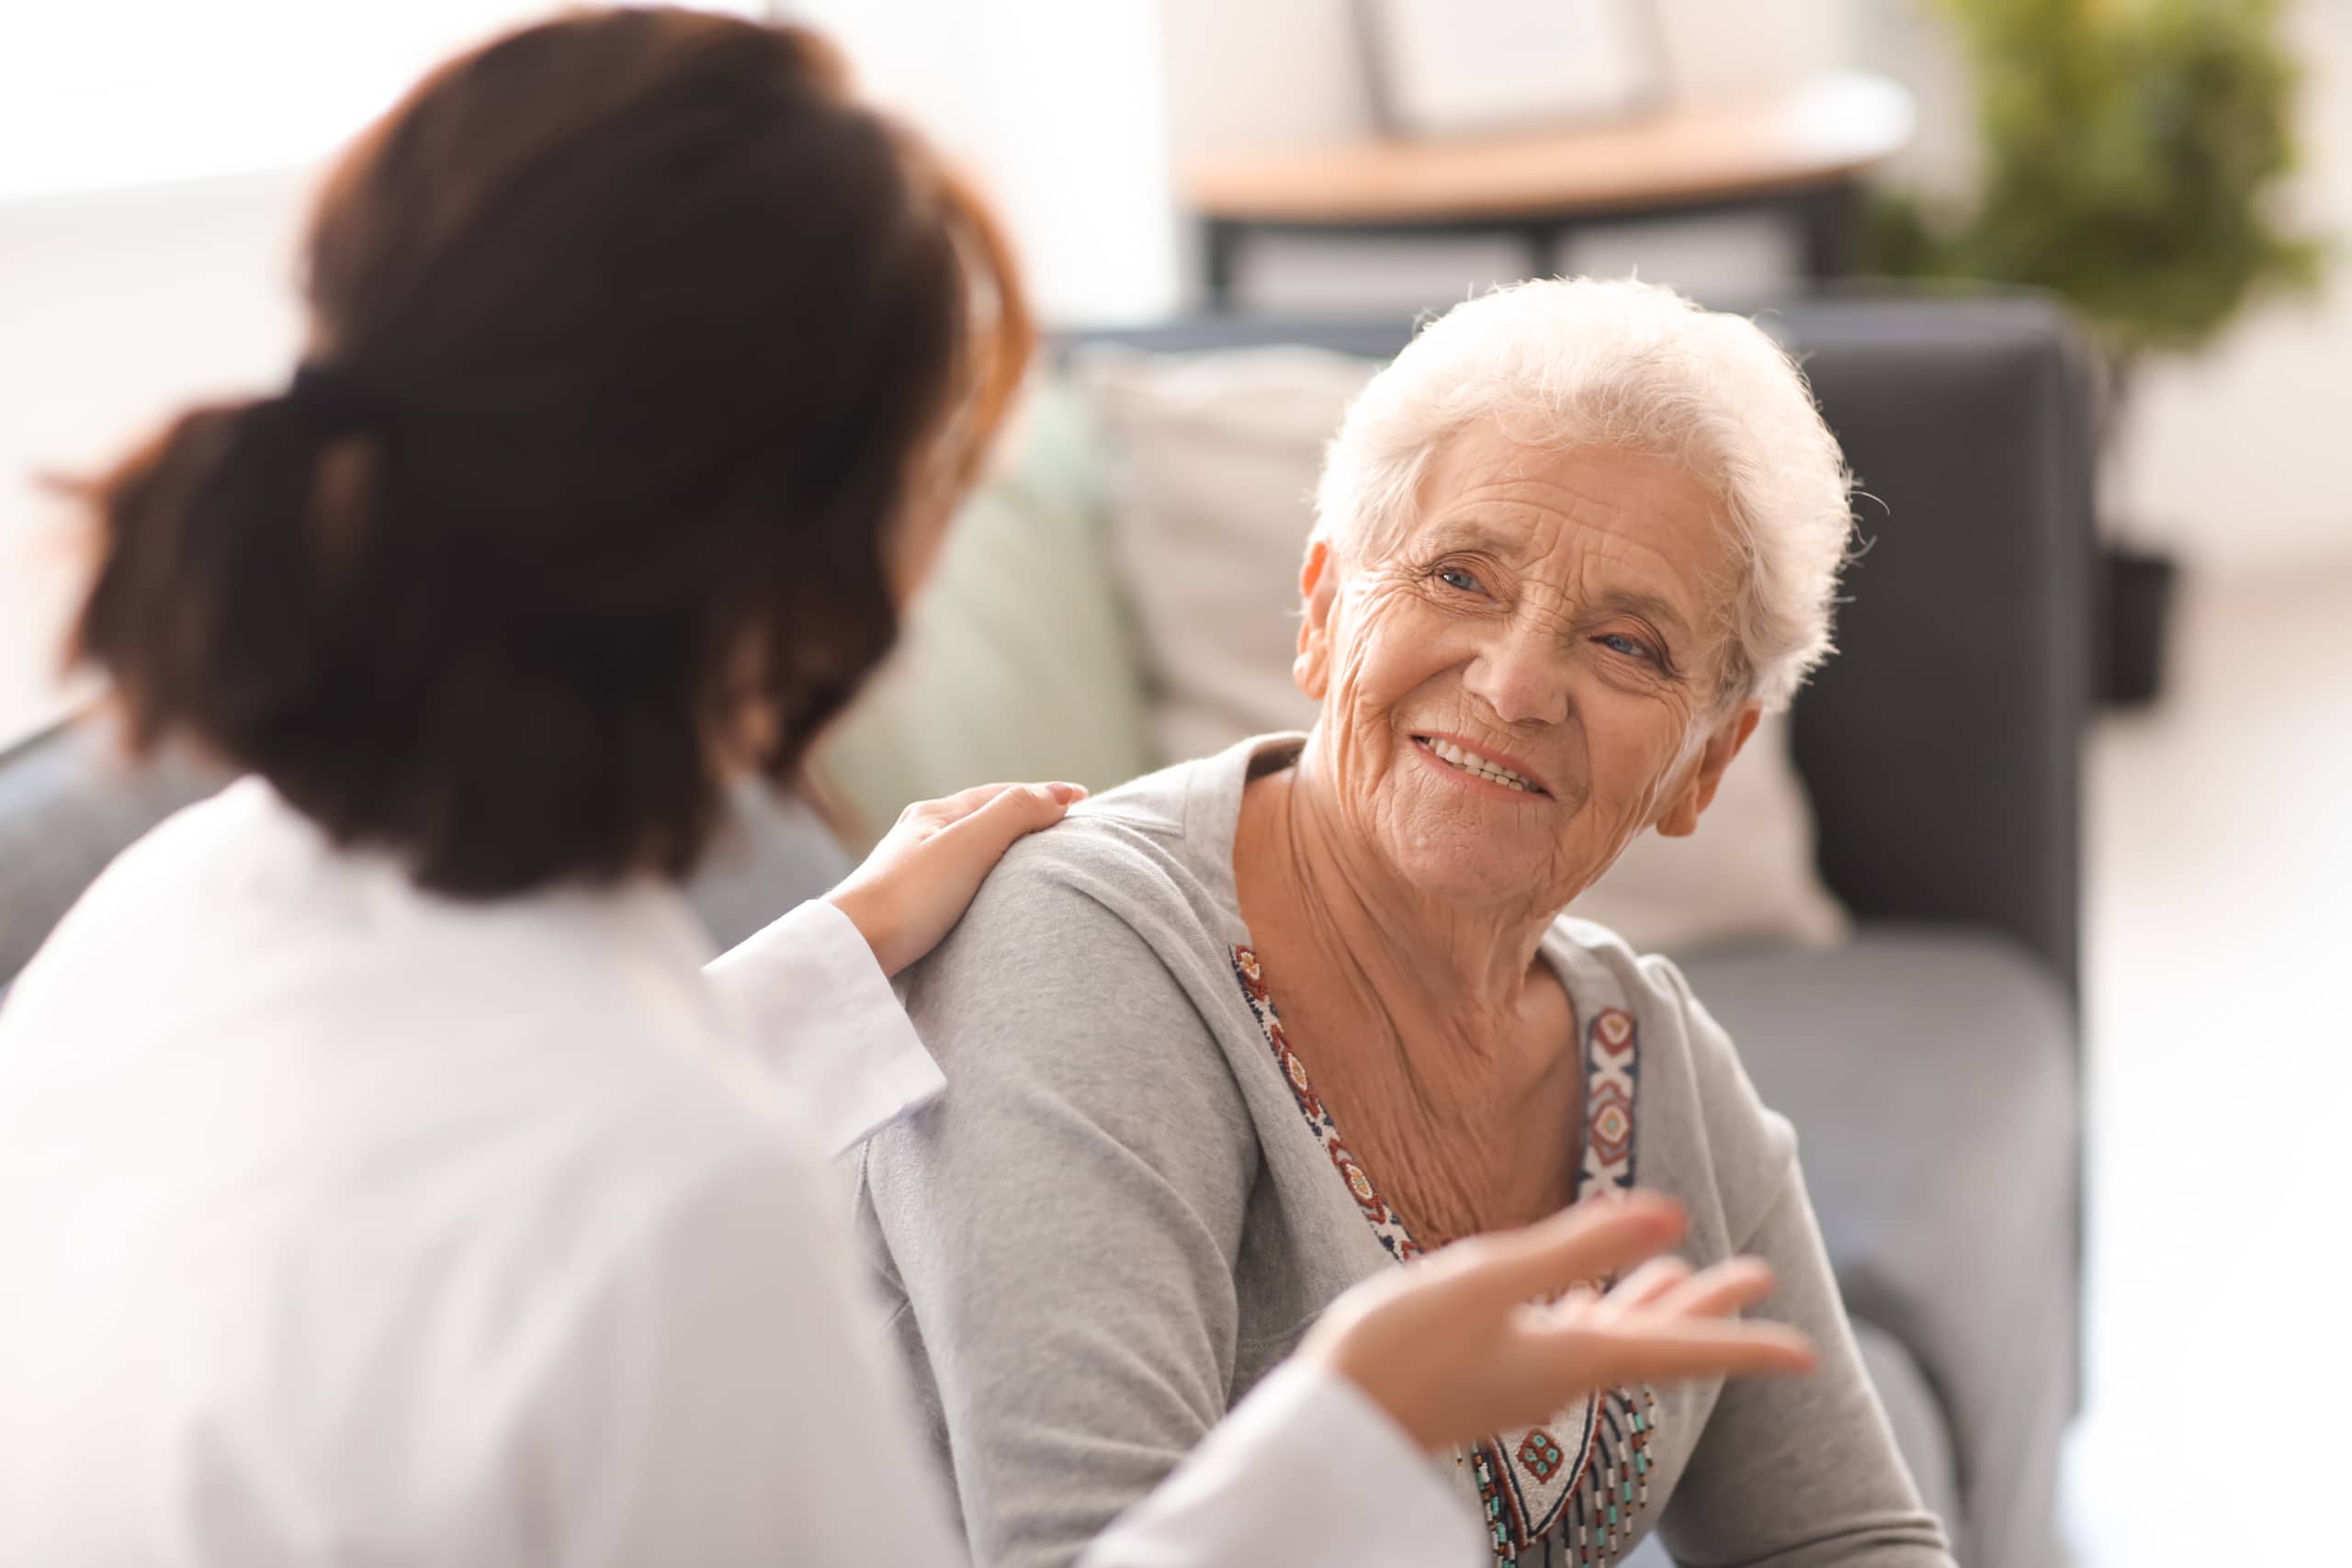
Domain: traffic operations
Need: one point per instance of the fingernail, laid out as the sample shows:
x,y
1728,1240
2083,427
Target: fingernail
x,y
1068,793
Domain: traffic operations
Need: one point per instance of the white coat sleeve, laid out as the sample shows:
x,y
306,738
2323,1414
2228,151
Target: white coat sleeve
x,y
1305,1470
824,1025
729,1398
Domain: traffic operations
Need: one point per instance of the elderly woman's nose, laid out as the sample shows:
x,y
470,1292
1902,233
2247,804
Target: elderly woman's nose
x,y
1522,684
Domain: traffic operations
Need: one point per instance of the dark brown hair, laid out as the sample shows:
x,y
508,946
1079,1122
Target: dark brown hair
x,y
635,340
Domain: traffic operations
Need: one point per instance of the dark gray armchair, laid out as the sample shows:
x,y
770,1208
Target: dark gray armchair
x,y
1931,1064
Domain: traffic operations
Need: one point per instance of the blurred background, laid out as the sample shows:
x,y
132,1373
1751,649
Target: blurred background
x,y
2148,200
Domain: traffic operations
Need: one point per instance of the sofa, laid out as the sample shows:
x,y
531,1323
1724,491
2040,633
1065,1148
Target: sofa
x,y
1930,1059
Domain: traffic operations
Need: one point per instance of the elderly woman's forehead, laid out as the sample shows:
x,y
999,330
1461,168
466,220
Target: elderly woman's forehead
x,y
1522,482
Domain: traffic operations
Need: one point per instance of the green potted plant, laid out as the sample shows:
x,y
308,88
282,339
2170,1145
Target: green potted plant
x,y
2133,156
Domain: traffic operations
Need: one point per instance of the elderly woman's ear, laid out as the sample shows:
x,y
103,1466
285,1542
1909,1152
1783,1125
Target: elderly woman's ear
x,y
1695,793
1318,584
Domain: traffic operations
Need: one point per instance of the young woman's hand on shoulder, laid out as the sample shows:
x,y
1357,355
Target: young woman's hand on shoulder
x,y
915,885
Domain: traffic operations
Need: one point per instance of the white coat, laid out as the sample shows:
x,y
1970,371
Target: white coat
x,y
340,1223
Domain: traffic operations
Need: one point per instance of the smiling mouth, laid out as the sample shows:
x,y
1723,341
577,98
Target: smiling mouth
x,y
1461,758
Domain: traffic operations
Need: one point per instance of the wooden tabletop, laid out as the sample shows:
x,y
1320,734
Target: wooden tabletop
x,y
1688,155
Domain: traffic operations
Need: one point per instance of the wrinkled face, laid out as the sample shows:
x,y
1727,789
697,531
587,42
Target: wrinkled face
x,y
1533,674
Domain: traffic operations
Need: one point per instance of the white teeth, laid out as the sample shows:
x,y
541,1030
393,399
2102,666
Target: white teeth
x,y
1470,763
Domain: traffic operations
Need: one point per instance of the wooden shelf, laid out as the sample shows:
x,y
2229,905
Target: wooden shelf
x,y
1825,131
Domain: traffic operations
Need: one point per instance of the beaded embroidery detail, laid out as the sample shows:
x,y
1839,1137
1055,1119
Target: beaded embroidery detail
x,y
1590,1485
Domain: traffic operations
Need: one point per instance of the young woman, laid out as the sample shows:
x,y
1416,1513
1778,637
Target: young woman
x,y
381,1178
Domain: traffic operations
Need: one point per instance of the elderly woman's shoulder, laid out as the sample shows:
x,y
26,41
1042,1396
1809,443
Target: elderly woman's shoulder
x,y
1116,877
1127,843
1652,982
1649,986
1084,964
1683,1053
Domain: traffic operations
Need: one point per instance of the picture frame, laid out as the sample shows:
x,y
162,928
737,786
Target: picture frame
x,y
1444,68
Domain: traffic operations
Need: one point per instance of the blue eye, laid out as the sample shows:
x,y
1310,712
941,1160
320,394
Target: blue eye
x,y
1461,577
1617,642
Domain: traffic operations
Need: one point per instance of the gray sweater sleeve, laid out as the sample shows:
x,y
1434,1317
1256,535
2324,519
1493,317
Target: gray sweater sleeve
x,y
1063,1224
1801,1472
1790,1473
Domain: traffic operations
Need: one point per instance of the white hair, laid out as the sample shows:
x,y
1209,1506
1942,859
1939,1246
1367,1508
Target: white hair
x,y
1576,362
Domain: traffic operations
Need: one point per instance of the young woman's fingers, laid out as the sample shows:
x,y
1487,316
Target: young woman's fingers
x,y
1012,811
1646,1285
964,851
1574,1305
954,807
1577,1245
1718,1292
1688,1349
950,810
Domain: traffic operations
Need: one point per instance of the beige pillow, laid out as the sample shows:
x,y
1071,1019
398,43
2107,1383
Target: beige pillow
x,y
1216,460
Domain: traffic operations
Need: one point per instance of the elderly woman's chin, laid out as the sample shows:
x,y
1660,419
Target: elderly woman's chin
x,y
1463,827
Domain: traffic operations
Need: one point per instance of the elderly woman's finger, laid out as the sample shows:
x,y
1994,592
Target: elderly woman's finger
x,y
1718,1292
1579,1244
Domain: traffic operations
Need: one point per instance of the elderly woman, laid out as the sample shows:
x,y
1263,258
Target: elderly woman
x,y
1244,1033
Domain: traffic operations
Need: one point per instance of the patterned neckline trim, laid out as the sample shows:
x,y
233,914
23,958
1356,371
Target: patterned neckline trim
x,y
1527,1487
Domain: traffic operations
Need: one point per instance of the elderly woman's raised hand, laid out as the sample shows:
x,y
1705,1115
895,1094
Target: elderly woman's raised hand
x,y
1455,1347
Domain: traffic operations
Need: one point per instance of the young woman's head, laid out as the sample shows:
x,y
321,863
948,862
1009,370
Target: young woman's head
x,y
645,365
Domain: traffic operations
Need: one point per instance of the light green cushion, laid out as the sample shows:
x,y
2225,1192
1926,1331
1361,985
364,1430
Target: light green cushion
x,y
1018,661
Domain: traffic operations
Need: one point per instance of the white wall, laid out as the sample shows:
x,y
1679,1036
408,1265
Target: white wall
x,y
2238,457
114,308
1056,106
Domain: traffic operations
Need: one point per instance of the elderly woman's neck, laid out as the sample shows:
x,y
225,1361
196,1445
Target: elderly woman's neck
x,y
1364,951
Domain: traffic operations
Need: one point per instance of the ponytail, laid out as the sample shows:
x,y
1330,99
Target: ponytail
x,y
213,577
